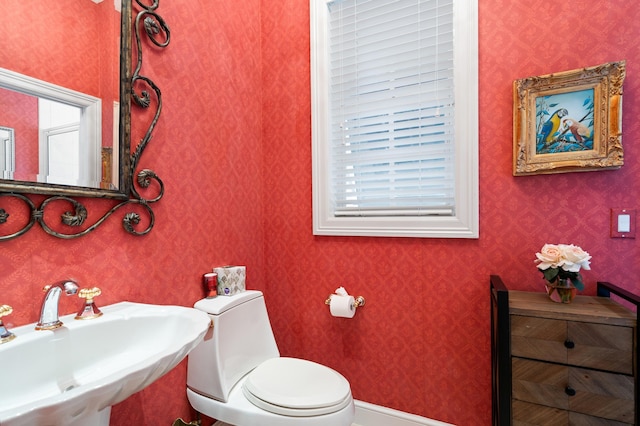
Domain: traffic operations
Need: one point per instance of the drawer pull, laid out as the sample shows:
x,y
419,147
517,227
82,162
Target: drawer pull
x,y
569,391
569,344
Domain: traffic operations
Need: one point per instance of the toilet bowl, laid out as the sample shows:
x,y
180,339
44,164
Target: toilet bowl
x,y
236,375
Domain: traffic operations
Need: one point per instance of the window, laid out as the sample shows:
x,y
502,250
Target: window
x,y
394,117
56,106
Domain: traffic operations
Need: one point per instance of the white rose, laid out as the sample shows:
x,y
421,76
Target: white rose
x,y
575,258
551,256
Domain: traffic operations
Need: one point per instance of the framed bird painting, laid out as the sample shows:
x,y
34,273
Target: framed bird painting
x,y
569,121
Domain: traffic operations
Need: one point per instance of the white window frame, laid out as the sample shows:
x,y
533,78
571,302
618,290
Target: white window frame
x,y
464,223
7,153
90,118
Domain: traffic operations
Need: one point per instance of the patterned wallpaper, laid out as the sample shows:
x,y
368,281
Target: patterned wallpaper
x,y
207,150
421,343
20,112
233,149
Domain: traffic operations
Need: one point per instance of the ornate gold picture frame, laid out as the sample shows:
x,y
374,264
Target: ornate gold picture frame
x,y
569,121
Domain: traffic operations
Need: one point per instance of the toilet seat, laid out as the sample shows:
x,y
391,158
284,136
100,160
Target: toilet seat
x,y
296,387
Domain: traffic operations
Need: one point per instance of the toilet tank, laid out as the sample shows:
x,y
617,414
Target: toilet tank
x,y
240,340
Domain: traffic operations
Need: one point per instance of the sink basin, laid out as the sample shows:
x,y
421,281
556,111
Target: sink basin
x,y
74,374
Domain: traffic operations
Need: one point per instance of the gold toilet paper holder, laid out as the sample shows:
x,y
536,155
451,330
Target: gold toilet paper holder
x,y
358,301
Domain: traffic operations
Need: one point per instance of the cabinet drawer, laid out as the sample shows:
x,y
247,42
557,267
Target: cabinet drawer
x,y
600,346
527,414
597,393
577,419
538,338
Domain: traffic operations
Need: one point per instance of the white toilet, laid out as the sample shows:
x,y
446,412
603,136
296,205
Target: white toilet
x,y
236,375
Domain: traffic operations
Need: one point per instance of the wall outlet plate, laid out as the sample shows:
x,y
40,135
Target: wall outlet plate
x,y
623,223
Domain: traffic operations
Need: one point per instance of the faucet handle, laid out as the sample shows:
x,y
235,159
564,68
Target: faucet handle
x,y
5,335
5,310
89,293
89,310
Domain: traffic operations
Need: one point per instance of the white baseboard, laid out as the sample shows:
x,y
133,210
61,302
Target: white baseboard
x,y
375,415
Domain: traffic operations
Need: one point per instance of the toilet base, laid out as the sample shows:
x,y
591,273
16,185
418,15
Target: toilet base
x,y
240,412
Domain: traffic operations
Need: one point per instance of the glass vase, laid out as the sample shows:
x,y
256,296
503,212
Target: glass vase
x,y
561,290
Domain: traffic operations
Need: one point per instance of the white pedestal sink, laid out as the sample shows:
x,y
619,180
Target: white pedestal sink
x,y
73,375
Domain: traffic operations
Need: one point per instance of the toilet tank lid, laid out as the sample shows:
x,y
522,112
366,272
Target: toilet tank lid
x,y
220,304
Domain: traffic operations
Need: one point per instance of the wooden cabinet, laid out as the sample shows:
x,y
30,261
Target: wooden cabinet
x,y
564,364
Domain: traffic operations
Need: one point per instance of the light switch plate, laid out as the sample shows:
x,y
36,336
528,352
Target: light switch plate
x,y
623,223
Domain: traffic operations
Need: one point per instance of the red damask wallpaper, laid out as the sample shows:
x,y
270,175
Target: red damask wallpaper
x,y
421,343
233,149
20,113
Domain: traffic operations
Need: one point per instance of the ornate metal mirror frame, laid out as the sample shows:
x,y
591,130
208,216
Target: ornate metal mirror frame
x,y
133,86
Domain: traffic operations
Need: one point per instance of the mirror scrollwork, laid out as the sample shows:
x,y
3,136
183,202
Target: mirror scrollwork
x,y
56,205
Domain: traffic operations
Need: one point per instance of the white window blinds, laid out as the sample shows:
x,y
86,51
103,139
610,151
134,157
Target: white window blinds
x,y
391,107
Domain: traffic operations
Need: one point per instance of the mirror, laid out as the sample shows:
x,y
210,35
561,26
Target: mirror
x,y
60,75
67,83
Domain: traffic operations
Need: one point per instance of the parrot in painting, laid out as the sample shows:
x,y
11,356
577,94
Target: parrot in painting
x,y
552,125
579,131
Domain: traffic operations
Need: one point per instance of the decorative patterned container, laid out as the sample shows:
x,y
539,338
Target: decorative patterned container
x,y
231,279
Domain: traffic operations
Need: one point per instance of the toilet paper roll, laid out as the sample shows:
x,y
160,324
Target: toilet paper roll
x,y
342,306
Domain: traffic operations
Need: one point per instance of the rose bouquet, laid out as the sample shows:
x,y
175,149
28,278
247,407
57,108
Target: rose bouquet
x,y
561,263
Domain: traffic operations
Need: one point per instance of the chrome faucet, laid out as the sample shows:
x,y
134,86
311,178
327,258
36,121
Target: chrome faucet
x,y
49,311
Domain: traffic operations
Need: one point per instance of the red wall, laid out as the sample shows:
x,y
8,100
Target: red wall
x,y
20,112
33,33
233,149
207,150
421,343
